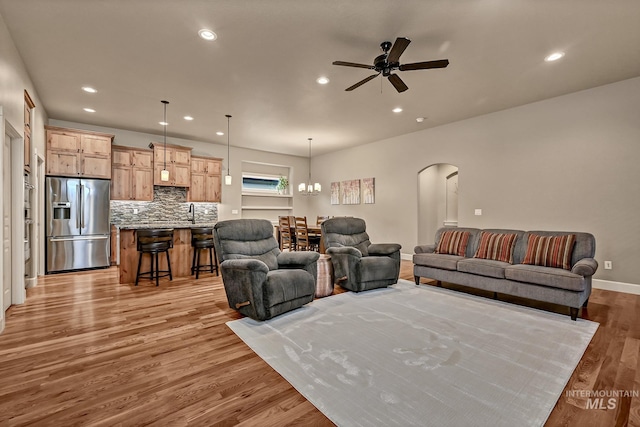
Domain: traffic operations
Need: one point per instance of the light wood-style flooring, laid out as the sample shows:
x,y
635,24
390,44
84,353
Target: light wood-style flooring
x,y
86,350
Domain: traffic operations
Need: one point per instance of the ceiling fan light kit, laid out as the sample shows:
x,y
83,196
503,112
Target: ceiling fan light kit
x,y
389,61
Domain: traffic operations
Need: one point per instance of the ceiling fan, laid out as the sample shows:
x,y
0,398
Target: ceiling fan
x,y
389,61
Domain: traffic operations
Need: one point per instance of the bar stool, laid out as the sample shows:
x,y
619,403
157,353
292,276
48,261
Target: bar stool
x,y
202,238
153,242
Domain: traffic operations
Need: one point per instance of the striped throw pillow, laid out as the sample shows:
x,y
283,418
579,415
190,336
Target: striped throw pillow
x,y
496,246
550,251
453,242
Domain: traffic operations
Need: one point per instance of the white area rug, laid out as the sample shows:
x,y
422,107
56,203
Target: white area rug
x,y
408,355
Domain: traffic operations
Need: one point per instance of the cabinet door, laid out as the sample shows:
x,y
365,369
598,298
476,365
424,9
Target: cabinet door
x,y
93,144
198,165
159,156
63,141
121,183
213,189
96,166
27,150
143,159
64,163
182,175
182,157
142,184
197,192
121,157
214,167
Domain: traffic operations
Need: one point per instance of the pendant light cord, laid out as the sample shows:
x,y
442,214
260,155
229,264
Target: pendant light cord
x,y
309,183
165,133
228,146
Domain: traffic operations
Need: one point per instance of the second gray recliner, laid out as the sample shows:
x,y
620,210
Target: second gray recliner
x,y
358,264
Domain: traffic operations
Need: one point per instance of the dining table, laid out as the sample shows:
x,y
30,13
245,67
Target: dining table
x,y
313,230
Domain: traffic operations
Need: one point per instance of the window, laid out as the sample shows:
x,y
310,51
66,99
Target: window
x,y
261,183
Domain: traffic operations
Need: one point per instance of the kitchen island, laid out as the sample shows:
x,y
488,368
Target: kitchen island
x,y
181,254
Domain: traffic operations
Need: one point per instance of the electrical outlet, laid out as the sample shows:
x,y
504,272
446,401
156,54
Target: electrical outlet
x,y
234,211
608,265
478,212
135,211
206,211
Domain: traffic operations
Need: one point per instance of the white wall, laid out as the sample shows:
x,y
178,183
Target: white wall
x,y
566,163
14,79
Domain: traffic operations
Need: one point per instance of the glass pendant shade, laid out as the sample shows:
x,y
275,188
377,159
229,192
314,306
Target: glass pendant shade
x,y
164,175
227,180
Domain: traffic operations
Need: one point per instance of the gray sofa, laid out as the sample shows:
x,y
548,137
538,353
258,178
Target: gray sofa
x,y
568,287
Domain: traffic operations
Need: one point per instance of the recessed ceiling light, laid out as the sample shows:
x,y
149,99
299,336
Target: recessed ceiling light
x,y
219,133
164,123
420,119
89,89
554,56
89,110
207,34
397,110
322,80
189,118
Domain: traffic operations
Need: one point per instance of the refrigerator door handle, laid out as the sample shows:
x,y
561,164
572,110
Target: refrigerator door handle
x,y
71,239
81,206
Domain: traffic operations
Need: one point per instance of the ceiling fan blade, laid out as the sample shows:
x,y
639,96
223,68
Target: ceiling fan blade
x,y
441,63
397,82
361,82
353,64
398,47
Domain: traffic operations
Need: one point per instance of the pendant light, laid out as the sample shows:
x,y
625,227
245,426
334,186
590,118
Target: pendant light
x,y
227,178
309,189
164,174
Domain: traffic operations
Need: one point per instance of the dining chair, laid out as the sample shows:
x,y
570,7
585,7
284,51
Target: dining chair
x,y
286,238
302,234
321,218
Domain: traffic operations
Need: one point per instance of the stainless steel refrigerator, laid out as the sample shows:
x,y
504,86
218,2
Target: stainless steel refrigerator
x,y
77,223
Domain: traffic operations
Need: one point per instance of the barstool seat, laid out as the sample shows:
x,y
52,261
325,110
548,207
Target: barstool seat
x,y
153,242
202,238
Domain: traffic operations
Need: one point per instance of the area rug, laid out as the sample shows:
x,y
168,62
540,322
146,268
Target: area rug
x,y
423,356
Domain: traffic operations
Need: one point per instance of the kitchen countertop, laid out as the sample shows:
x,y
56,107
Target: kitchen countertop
x,y
163,224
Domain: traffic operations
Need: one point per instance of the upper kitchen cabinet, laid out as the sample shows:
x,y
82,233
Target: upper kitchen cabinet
x,y
73,152
206,174
28,106
178,163
131,174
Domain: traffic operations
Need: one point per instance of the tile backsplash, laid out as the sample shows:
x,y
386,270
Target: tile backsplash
x,y
169,204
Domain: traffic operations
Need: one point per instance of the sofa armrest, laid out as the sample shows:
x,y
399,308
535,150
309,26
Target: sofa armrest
x,y
344,250
297,259
585,267
384,249
243,281
345,260
424,249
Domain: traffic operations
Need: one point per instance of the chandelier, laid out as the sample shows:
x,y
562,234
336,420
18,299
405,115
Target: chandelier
x,y
309,189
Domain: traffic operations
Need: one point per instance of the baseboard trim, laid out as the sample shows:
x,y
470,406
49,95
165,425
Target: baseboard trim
x,y
408,257
627,288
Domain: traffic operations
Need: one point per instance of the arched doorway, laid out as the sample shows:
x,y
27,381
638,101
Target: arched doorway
x,y
437,199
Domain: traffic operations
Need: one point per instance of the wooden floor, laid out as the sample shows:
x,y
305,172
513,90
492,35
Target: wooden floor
x,y
86,350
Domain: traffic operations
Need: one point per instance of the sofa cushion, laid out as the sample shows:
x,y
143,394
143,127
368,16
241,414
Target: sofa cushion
x,y
453,242
546,276
483,267
446,262
550,251
496,246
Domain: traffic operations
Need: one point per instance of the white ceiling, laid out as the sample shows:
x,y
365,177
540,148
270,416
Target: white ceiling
x,y
263,68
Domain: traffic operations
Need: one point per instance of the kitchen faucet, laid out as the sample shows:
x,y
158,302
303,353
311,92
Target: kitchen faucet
x,y
192,210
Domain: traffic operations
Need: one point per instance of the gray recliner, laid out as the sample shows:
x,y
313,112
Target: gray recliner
x,y
358,264
262,282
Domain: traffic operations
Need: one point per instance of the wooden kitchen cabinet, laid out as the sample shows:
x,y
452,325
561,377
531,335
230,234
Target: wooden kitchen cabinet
x,y
72,152
206,174
131,174
28,106
178,163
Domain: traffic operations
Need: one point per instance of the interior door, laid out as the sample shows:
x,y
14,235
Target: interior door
x,y
6,223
